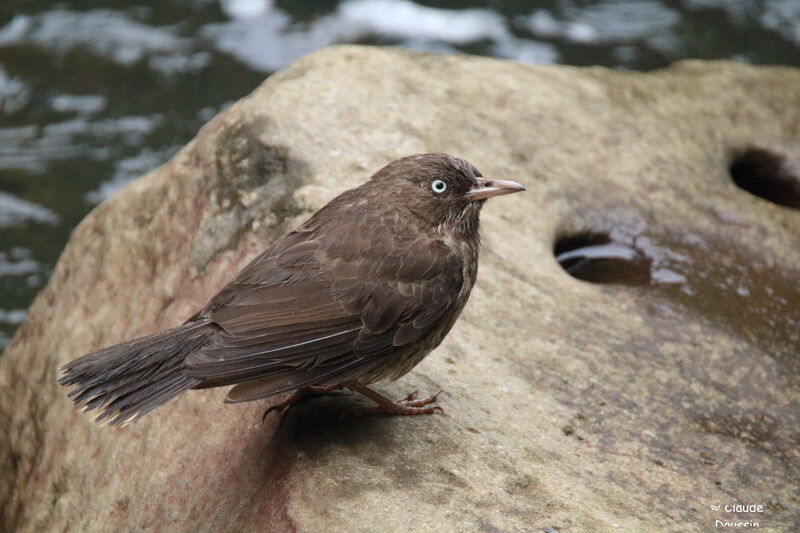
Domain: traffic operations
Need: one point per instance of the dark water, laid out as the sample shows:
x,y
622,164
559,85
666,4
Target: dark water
x,y
94,94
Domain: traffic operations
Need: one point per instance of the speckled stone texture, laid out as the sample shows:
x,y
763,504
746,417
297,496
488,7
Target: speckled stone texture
x,y
569,405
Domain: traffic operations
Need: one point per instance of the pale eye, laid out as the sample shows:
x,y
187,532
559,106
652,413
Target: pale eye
x,y
438,186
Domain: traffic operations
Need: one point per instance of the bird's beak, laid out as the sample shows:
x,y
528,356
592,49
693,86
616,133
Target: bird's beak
x,y
486,188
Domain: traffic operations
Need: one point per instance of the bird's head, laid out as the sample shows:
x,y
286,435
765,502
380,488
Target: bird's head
x,y
444,191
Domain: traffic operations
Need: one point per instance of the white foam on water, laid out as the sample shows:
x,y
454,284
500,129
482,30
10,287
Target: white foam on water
x,y
544,24
31,148
264,42
244,8
18,262
127,170
177,63
405,19
783,16
102,32
14,93
85,104
15,211
266,39
607,22
12,316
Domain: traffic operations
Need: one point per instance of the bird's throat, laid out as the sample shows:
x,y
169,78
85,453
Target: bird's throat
x,y
463,223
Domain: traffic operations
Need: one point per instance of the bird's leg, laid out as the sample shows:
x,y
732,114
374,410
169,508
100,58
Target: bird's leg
x,y
403,406
298,396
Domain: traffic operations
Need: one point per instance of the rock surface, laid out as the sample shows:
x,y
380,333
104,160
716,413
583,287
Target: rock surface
x,y
570,405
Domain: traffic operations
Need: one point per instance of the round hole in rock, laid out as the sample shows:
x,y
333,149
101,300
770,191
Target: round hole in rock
x,y
596,257
768,175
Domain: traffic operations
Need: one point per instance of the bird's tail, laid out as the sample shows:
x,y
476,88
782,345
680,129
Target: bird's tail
x,y
128,380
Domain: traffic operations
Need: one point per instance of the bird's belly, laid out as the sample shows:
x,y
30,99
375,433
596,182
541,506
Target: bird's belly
x,y
407,357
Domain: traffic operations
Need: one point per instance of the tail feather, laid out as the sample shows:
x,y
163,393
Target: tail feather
x,y
128,380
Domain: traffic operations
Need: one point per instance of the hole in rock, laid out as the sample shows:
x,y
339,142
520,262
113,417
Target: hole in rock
x,y
700,276
598,258
768,175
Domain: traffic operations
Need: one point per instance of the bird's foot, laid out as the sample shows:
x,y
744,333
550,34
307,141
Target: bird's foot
x,y
407,405
298,396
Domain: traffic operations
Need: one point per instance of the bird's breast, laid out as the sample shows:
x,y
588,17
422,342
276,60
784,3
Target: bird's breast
x,y
467,250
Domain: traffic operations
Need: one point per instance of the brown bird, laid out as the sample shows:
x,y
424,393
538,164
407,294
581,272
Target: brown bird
x,y
359,293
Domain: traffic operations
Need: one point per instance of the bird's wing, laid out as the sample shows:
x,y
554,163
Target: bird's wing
x,y
305,313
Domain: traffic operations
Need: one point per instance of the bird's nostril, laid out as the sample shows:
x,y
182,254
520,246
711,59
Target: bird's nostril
x,y
487,183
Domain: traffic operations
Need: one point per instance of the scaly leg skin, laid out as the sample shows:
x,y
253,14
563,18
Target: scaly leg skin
x,y
298,396
403,406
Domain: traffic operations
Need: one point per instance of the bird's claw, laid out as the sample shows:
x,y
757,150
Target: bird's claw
x,y
404,406
408,397
298,396
280,408
409,400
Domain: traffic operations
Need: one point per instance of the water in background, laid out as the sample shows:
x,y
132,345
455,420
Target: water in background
x,y
92,97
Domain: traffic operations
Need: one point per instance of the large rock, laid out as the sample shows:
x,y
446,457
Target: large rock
x,y
568,404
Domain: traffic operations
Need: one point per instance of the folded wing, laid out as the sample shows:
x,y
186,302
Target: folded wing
x,y
304,314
